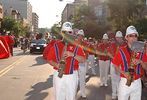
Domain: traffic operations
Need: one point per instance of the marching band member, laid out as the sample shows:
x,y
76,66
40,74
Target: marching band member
x,y
115,77
65,61
47,48
104,61
83,65
4,48
130,64
10,41
91,55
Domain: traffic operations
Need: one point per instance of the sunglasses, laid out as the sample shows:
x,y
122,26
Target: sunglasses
x,y
131,35
70,32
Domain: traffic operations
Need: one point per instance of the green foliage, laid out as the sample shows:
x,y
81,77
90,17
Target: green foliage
x,y
125,12
43,30
16,27
85,19
55,30
141,26
8,23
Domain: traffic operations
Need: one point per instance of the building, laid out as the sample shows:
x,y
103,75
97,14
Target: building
x,y
98,6
22,6
101,10
15,15
35,22
68,13
69,10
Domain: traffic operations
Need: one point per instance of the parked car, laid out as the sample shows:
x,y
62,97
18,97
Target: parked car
x,y
37,46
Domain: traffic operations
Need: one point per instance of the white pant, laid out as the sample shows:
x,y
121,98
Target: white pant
x,y
115,78
91,63
65,88
104,69
134,90
82,77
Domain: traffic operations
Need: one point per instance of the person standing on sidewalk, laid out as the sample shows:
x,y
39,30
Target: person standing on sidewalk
x,y
65,58
130,66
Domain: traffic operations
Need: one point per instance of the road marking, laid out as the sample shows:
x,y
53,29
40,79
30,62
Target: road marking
x,y
8,68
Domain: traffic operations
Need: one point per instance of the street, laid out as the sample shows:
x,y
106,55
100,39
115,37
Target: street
x,y
29,77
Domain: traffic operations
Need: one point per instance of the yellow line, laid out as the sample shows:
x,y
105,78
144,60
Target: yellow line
x,y
8,68
6,71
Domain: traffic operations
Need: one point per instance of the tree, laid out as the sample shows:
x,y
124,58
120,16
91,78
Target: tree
x,y
55,30
43,30
85,19
141,26
10,24
125,12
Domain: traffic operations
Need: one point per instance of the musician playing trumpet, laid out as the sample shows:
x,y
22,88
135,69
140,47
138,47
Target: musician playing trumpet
x,y
132,65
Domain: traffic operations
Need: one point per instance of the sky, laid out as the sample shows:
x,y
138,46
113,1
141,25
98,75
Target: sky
x,y
49,11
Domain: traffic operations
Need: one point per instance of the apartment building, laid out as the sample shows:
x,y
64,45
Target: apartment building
x,y
22,6
15,15
35,22
68,13
70,9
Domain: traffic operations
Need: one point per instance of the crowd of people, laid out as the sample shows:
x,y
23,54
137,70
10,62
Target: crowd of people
x,y
73,55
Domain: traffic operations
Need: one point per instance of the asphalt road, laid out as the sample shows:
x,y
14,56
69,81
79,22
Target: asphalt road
x,y
29,77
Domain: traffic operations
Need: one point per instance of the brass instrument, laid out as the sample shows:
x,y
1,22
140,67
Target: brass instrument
x,y
62,63
137,46
61,68
67,38
131,70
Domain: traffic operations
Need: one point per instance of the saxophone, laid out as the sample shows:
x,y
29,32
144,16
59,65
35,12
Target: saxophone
x,y
131,69
62,63
137,46
67,39
61,68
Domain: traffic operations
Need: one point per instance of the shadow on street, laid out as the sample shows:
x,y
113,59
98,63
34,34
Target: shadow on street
x,y
37,90
39,61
